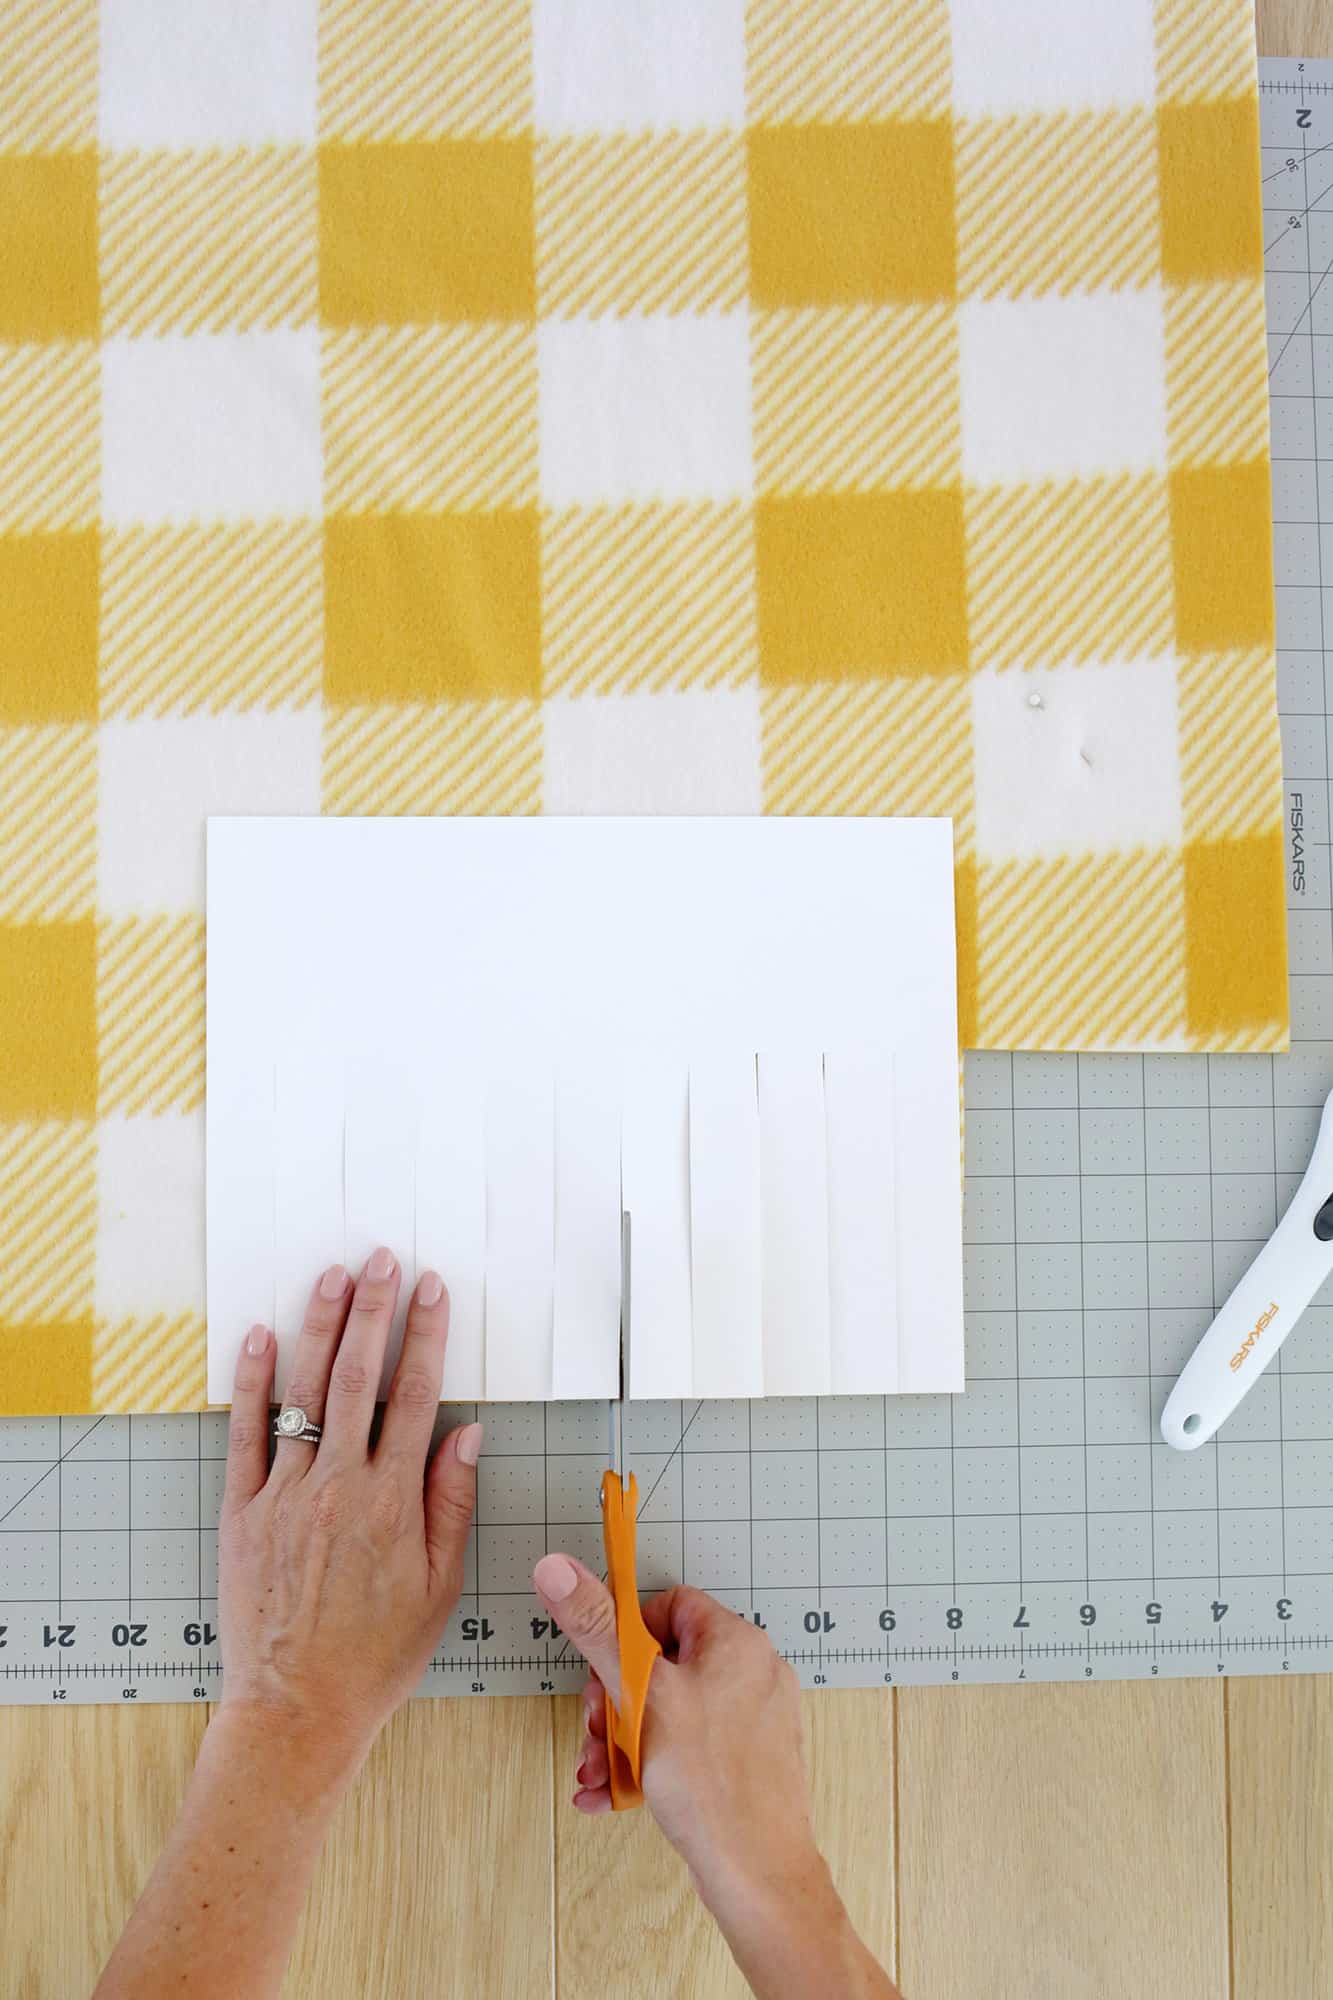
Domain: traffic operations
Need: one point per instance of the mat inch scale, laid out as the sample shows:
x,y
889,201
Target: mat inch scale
x,y
1029,1530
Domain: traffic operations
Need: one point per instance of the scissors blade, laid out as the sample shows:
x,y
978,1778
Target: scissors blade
x,y
616,1406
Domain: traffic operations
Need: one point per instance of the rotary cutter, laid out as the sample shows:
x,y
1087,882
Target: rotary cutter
x,y
1262,1310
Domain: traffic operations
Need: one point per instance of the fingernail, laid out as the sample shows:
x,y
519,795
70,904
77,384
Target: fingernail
x,y
380,1264
555,1577
256,1341
469,1443
334,1282
430,1290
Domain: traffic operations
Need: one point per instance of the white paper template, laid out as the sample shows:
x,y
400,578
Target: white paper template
x,y
241,1194
863,1237
242,1236
726,1287
310,1200
793,1207
742,1031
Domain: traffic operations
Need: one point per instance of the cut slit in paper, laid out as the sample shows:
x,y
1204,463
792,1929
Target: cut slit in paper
x,y
380,1147
860,1119
794,1189
450,1220
726,1298
586,1228
520,1232
793,1186
655,1188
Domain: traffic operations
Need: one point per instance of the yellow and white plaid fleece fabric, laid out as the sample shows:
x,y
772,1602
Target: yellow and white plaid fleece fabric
x,y
501,406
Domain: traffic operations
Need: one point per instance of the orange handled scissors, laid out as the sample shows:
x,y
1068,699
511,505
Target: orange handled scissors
x,y
638,1648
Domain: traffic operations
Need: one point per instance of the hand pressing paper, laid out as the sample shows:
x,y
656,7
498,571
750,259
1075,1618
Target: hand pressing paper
x,y
743,1031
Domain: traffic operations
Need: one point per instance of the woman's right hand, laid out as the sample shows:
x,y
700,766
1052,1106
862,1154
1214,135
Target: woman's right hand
x,y
723,1769
724,1775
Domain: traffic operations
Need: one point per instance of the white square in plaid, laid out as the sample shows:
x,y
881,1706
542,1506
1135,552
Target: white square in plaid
x,y
653,407
160,779
1057,387
630,65
186,73
150,1250
211,427
653,753
1063,54
1096,747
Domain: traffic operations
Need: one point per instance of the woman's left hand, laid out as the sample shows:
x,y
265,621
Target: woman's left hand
x,y
338,1569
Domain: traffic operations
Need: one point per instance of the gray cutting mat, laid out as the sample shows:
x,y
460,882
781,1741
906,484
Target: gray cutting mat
x,y
1031,1529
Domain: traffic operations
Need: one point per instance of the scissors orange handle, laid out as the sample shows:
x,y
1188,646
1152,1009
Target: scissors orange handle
x,y
638,1648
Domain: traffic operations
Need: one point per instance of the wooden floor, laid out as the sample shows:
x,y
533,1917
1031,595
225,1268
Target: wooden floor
x,y
1171,1842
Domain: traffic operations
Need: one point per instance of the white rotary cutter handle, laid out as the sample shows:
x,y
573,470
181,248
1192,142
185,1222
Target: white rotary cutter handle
x,y
1262,1310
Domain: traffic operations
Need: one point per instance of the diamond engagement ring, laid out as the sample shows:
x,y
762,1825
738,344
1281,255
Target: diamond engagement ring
x,y
294,1423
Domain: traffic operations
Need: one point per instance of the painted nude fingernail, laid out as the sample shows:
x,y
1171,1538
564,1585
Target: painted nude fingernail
x,y
334,1282
380,1264
469,1443
430,1289
555,1577
256,1341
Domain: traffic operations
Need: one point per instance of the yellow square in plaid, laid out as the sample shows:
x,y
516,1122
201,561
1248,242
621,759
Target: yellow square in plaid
x,y
150,1014
48,627
1070,570
1236,941
1120,979
430,230
205,241
1222,556
846,60
203,618
48,980
430,417
640,223
48,83
436,757
47,1367
48,1220
849,214
1056,202
423,606
857,397
901,745
48,823
398,70
857,584
50,440
1204,51
48,246
1202,148
647,598
150,1361
1216,380
965,933
1229,746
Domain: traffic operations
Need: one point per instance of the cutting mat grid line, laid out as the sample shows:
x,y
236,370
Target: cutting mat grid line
x,y
1031,1529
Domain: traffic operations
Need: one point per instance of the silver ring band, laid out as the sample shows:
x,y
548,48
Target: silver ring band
x,y
295,1424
